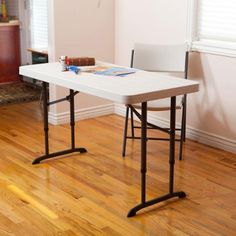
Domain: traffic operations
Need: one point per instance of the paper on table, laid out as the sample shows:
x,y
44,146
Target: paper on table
x,y
116,71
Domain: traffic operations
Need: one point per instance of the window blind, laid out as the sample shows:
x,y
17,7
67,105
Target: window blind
x,y
217,20
39,23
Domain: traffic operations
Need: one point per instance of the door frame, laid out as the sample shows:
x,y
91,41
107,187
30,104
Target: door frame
x,y
24,17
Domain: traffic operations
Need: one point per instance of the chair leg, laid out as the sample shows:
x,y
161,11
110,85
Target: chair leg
x,y
182,135
41,96
132,123
125,131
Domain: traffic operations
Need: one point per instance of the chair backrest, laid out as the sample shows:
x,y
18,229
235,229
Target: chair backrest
x,y
164,58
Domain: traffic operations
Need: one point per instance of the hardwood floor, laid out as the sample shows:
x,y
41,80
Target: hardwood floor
x,y
90,194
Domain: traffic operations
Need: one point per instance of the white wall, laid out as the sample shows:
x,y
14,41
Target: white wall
x,y
80,28
149,21
211,112
213,109
86,29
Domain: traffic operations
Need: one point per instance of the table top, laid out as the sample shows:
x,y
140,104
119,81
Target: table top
x,y
141,86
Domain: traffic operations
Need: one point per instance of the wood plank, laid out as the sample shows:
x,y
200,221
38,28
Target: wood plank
x,y
90,194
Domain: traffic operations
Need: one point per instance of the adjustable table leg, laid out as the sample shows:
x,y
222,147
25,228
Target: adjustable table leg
x,y
72,118
171,193
48,155
172,151
133,211
72,124
45,116
144,151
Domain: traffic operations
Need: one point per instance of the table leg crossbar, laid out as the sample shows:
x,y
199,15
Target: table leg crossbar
x,y
46,104
144,203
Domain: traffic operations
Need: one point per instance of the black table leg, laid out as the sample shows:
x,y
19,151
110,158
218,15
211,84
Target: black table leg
x,y
48,155
72,119
45,117
171,193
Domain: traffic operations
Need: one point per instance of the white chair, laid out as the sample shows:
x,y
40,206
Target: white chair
x,y
159,58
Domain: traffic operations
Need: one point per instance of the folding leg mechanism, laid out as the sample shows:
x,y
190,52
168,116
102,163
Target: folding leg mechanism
x,y
69,98
144,203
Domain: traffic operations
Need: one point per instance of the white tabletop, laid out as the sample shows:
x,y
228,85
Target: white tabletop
x,y
134,88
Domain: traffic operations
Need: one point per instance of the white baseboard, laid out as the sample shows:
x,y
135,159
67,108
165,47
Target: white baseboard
x,y
81,114
191,133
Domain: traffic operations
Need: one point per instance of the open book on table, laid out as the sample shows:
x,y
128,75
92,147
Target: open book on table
x,y
111,71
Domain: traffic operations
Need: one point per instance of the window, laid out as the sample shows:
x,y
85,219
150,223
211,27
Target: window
x,y
39,23
213,26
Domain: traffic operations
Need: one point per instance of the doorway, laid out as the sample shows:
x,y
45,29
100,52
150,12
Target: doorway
x,y
33,16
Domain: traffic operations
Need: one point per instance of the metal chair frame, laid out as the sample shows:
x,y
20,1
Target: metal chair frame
x,y
130,109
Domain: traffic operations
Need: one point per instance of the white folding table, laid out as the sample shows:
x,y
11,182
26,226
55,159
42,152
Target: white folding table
x,y
139,87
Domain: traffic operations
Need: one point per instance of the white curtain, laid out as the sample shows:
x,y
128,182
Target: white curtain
x,y
39,23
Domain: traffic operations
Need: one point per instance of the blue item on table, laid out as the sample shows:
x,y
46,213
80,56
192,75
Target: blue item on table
x,y
117,71
75,69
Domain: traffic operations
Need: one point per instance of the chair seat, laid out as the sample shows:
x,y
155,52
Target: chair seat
x,y
160,105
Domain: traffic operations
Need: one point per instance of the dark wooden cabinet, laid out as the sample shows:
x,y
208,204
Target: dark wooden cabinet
x,y
9,53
